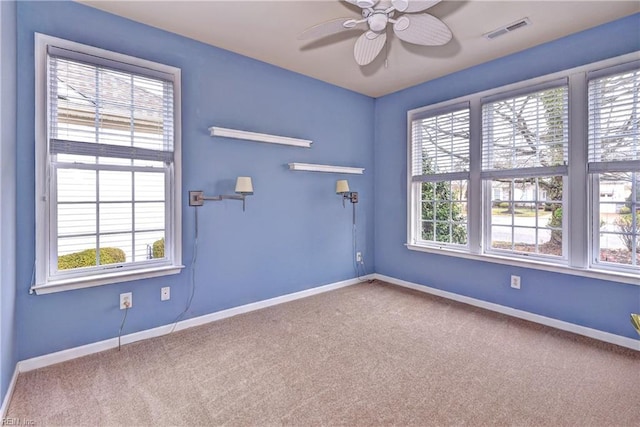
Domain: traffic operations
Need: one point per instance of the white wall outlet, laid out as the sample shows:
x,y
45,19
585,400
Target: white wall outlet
x,y
515,282
358,256
126,300
165,293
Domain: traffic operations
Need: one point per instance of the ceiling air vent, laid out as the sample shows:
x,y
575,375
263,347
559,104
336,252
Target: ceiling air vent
x,y
507,28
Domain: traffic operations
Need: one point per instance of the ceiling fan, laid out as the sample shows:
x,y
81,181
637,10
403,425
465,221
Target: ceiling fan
x,y
409,26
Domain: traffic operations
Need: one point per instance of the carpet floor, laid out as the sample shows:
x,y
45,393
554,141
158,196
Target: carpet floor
x,y
364,355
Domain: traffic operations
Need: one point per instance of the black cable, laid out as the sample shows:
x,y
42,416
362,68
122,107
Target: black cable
x,y
193,274
358,266
33,278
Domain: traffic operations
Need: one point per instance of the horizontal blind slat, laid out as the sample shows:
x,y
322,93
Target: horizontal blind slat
x,y
614,119
525,172
59,146
526,131
453,176
84,58
618,166
107,107
441,142
553,84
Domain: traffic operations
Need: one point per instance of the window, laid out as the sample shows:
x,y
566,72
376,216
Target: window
x,y
524,142
614,166
108,159
542,174
440,176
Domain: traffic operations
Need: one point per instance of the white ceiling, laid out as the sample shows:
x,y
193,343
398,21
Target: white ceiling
x,y
267,30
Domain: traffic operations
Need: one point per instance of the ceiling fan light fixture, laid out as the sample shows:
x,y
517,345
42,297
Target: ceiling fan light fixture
x,y
416,28
377,22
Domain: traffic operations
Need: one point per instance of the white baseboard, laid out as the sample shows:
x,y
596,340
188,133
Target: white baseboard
x,y
196,321
548,321
73,353
7,397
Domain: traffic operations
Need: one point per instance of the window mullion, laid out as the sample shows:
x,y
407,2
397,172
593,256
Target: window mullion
x,y
597,128
133,217
594,219
98,202
577,199
476,195
133,175
52,199
98,103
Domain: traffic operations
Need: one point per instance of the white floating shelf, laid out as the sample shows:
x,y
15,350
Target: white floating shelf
x,y
259,137
324,168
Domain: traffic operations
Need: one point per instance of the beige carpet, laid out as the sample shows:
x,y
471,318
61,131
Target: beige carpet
x,y
370,354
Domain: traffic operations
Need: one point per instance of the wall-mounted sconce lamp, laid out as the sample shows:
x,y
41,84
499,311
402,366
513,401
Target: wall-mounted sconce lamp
x,y
635,320
342,187
244,187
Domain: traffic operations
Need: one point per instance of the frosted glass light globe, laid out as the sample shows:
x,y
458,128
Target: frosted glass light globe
x,y
377,22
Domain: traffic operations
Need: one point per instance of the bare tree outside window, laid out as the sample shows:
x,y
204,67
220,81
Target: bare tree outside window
x,y
527,133
509,197
614,156
442,148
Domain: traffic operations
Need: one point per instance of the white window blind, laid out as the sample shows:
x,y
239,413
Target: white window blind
x,y
614,164
614,122
102,112
440,144
107,167
111,153
439,173
558,168
524,157
526,134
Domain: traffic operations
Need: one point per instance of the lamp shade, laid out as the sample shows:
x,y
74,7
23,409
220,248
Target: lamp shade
x,y
635,320
244,185
342,186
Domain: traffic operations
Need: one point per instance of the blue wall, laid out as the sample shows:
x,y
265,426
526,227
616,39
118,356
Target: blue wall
x,y
7,192
593,303
294,234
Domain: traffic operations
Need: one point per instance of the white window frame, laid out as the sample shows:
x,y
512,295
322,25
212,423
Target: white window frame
x,y
598,167
45,196
514,173
578,222
415,215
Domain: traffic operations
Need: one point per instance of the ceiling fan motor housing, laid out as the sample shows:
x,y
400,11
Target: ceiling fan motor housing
x,y
414,27
377,21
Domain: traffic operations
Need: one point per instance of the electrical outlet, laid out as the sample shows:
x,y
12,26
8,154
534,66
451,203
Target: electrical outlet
x,y
359,257
165,293
515,282
126,300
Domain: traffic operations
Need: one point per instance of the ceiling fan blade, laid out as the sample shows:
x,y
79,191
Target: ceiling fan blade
x,y
327,28
368,46
410,6
422,29
364,4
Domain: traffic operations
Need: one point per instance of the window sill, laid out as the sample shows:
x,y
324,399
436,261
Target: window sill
x,y
629,278
104,279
